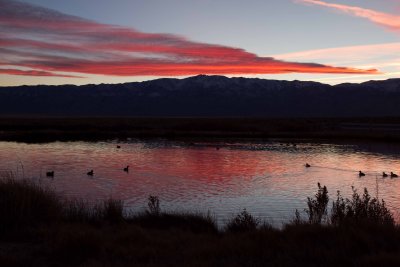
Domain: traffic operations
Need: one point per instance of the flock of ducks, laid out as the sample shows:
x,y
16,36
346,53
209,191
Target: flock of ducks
x,y
392,175
384,174
89,173
126,169
361,174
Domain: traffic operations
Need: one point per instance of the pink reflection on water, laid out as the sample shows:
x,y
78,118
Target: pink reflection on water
x,y
269,179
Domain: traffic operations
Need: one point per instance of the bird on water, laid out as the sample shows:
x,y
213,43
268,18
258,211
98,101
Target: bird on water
x,y
90,173
360,173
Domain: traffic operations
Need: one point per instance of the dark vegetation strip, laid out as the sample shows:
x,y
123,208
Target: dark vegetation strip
x,y
92,129
38,228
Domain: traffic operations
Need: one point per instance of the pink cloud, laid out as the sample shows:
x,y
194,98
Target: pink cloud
x,y
389,21
48,42
34,73
385,56
358,53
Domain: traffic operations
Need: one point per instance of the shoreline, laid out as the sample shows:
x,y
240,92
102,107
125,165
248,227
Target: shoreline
x,y
99,129
39,229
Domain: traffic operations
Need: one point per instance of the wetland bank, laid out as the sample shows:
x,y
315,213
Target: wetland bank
x,y
204,184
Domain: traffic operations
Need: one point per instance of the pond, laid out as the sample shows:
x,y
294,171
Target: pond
x,y
267,178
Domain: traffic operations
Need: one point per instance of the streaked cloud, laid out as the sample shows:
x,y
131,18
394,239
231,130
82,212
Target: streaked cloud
x,y
385,56
38,41
388,21
34,73
358,55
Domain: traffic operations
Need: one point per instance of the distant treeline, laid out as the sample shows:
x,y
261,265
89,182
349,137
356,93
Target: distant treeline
x,y
45,129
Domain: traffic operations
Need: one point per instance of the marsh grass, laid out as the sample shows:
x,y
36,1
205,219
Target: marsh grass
x,y
193,222
359,231
24,203
110,211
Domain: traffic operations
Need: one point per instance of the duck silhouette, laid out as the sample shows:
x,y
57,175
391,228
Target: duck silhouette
x,y
50,174
126,169
393,175
360,173
307,165
384,174
90,173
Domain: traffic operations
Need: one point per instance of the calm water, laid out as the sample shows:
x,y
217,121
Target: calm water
x,y
267,178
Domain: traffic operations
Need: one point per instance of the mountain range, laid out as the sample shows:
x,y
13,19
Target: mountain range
x,y
205,96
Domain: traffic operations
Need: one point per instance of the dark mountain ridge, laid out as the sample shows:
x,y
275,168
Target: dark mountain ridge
x,y
206,96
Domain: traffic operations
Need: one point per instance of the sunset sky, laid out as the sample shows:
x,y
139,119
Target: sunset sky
x,y
102,41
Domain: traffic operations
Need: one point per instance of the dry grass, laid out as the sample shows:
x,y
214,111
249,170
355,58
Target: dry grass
x,y
53,232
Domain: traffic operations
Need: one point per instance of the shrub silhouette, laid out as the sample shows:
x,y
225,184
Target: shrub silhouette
x,y
360,209
317,207
243,222
154,205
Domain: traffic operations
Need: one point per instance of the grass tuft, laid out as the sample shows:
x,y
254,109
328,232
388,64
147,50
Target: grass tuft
x,y
24,203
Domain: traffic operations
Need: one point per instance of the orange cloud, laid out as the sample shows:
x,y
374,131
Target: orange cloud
x,y
386,20
47,42
357,54
385,56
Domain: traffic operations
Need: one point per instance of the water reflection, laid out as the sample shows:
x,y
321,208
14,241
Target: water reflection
x,y
267,178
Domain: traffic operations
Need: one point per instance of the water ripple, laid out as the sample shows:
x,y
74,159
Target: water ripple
x,y
267,178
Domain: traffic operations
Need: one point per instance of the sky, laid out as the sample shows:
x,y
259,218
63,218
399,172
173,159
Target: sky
x,y
102,41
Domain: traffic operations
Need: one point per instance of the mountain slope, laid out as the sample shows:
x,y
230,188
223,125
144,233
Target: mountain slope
x,y
206,96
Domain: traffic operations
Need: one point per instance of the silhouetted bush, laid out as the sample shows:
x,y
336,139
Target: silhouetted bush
x,y
242,222
360,209
317,207
154,205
